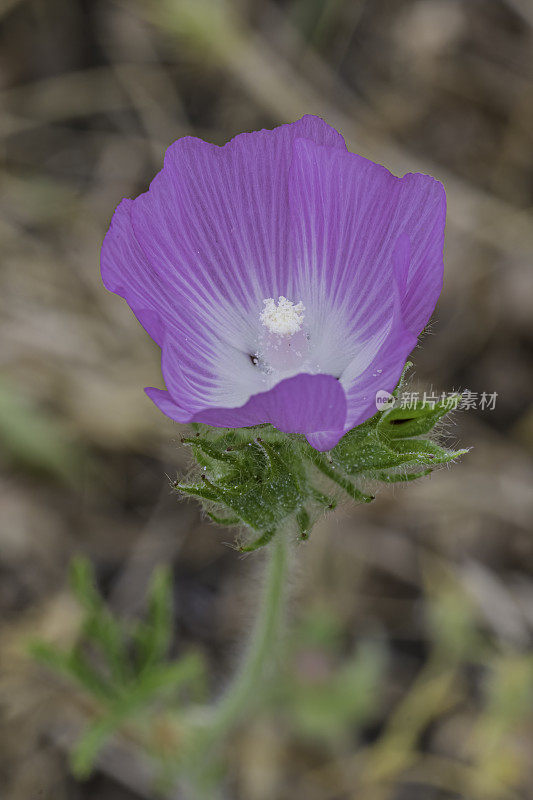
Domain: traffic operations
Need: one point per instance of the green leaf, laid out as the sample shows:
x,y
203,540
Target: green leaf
x,y
92,740
258,481
223,520
121,667
261,541
153,637
80,668
402,477
328,467
362,454
99,625
304,523
423,451
83,583
49,657
401,423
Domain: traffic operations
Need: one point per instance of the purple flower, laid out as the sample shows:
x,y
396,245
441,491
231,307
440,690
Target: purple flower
x,y
285,279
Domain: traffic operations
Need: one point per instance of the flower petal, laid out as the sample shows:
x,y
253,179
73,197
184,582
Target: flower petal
x,y
286,212
162,311
301,404
348,216
341,270
203,372
401,259
325,440
166,404
126,272
358,254
422,205
381,375
214,228
214,223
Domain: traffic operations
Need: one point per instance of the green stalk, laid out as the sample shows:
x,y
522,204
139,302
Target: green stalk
x,y
242,690
262,642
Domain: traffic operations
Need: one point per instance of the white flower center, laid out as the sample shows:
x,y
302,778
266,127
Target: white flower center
x,y
284,318
283,346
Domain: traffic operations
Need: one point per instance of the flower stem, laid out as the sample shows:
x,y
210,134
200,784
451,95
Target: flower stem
x,y
259,653
262,642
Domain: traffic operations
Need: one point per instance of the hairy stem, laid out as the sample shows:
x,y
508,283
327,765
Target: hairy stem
x,y
259,652
262,641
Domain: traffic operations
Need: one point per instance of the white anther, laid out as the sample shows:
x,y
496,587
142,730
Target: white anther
x,y
285,318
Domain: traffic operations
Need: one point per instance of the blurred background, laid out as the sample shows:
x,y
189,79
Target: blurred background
x,y
409,671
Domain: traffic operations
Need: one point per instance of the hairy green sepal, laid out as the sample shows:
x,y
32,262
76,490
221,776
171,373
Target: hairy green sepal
x,y
259,478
